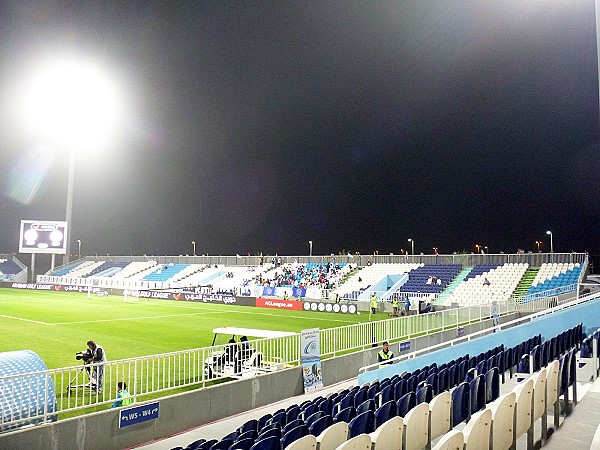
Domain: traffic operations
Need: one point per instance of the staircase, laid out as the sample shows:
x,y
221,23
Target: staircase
x,y
526,282
459,279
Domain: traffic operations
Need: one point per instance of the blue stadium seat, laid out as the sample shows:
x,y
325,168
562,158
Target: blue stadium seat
x,y
319,425
385,412
407,402
461,404
492,385
361,424
291,436
345,415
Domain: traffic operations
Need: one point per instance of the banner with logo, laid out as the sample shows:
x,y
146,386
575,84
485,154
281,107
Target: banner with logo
x,y
310,351
278,304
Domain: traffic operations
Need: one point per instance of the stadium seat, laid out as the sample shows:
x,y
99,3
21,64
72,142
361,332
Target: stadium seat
x,y
367,405
523,410
250,434
332,437
477,431
361,424
424,394
503,416
461,404
345,415
268,433
293,435
360,442
453,440
207,444
477,390
308,442
197,444
313,418
388,435
290,425
416,427
406,403
385,412
319,425
539,404
223,444
440,410
492,385
251,424
270,443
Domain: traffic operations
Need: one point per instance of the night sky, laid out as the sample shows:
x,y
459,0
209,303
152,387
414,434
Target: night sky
x,y
257,126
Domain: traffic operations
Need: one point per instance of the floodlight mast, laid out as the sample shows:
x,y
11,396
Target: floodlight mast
x,y
69,211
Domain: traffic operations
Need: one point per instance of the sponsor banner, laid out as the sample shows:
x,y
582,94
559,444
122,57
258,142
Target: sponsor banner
x,y
278,304
404,346
330,307
310,352
55,287
34,286
209,298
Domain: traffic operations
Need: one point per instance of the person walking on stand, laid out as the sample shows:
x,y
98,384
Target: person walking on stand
x,y
407,306
374,303
385,354
124,398
395,306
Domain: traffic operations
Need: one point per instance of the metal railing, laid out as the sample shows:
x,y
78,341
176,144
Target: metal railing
x,y
152,376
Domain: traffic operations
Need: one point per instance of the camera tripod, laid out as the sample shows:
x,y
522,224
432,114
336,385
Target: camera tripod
x,y
73,382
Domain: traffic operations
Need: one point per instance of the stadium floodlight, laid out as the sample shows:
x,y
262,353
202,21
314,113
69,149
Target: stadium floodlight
x,y
477,246
309,248
194,247
551,243
79,248
412,246
73,104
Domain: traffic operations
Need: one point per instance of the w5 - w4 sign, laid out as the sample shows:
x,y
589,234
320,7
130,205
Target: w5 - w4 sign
x,y
138,414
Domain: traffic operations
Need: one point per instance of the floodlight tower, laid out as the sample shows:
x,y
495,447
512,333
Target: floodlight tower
x,y
412,246
74,105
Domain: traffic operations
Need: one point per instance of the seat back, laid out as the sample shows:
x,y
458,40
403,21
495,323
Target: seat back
x,y
424,394
270,443
477,431
524,406
388,435
492,385
406,403
268,433
477,388
345,415
308,421
552,378
361,424
223,444
290,425
334,436
385,412
399,389
539,394
453,440
461,403
503,414
360,442
385,395
251,424
440,409
319,425
293,435
367,405
308,442
416,427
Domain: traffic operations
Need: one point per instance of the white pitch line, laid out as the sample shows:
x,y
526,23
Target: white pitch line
x,y
24,320
127,318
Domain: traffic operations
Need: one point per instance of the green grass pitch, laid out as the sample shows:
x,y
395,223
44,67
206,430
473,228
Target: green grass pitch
x,y
56,325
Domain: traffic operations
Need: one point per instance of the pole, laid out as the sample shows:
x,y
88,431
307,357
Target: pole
x,y
69,211
33,267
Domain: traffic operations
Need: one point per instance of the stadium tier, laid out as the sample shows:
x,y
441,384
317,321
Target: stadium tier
x,y
439,284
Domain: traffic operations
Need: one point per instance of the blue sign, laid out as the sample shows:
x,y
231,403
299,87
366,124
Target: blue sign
x,y
404,346
138,414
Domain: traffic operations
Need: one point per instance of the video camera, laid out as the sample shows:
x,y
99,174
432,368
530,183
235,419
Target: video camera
x,y
86,355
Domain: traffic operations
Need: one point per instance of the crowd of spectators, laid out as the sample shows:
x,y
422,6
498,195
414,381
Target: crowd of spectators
x,y
324,276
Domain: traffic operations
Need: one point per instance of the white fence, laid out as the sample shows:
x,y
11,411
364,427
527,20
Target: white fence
x,y
152,376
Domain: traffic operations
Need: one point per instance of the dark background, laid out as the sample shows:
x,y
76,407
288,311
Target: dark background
x,y
258,126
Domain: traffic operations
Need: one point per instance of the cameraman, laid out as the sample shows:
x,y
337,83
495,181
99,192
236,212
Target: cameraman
x,y
97,356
